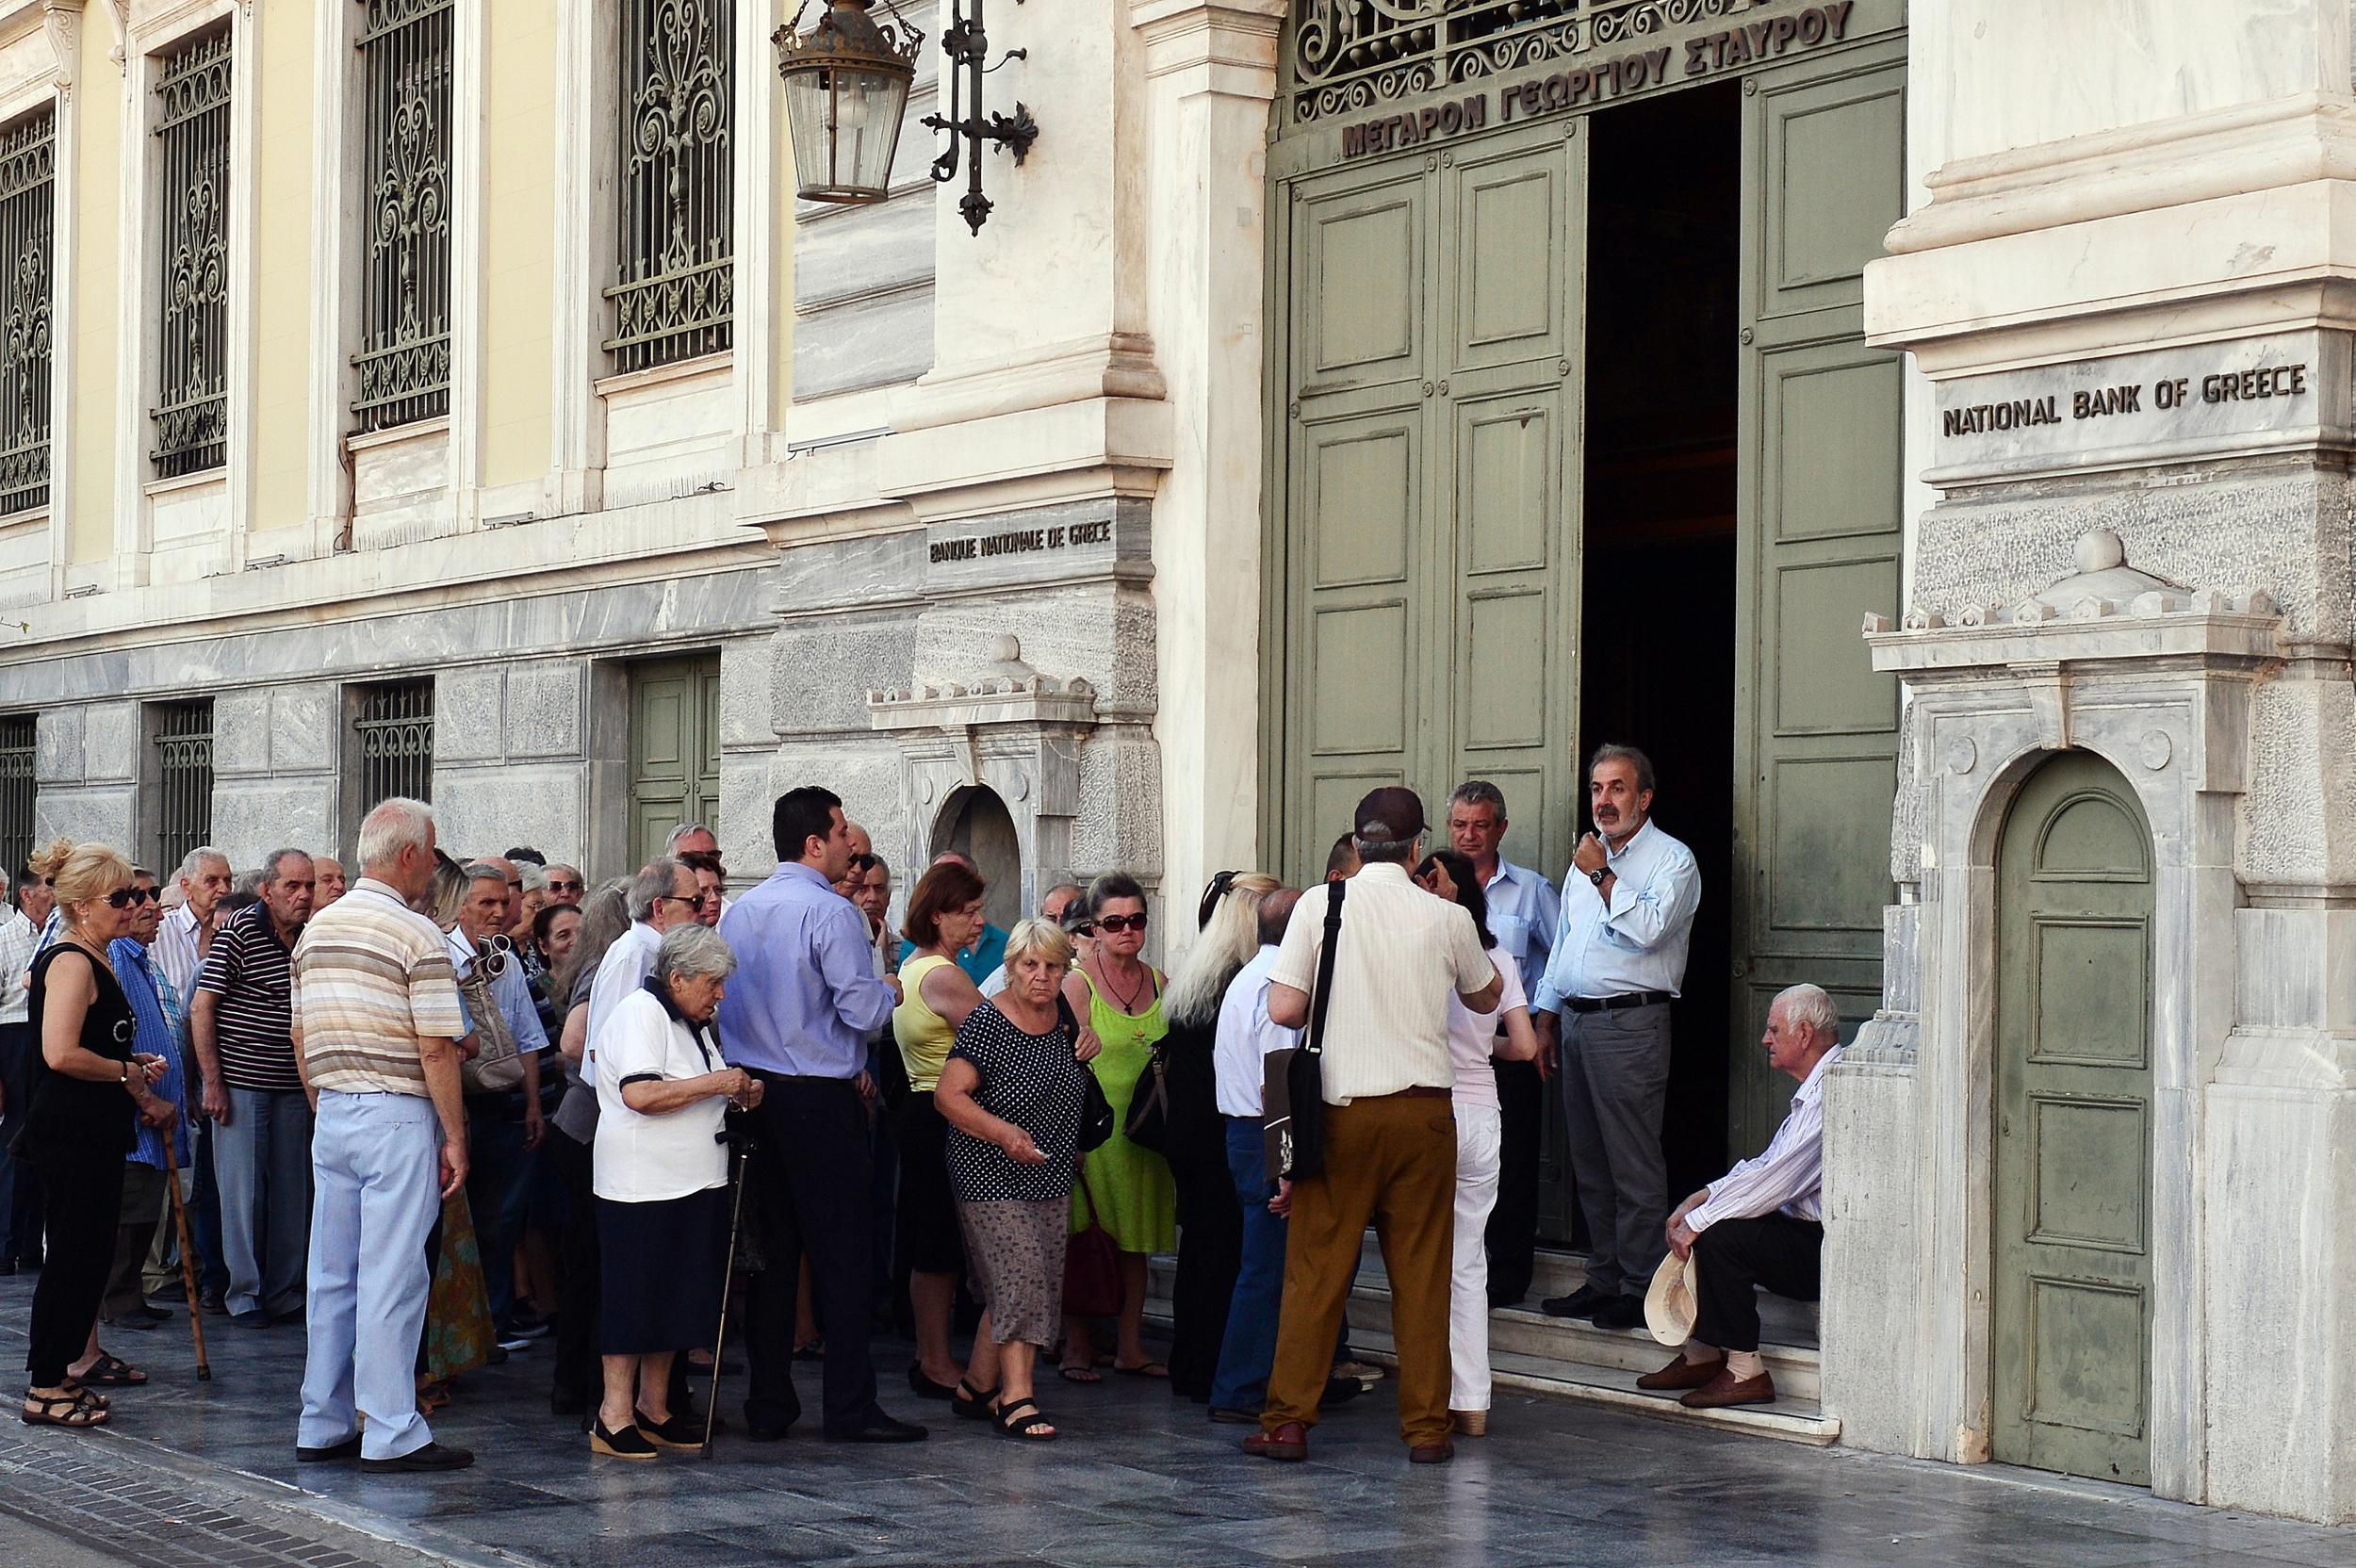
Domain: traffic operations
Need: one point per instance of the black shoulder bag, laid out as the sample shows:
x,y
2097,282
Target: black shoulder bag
x,y
1292,1093
1148,1124
1096,1112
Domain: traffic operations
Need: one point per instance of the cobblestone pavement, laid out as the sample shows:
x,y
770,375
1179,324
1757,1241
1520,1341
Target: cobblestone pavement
x,y
1138,1479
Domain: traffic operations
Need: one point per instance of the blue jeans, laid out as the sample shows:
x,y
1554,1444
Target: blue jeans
x,y
379,1177
1248,1349
262,1163
498,1191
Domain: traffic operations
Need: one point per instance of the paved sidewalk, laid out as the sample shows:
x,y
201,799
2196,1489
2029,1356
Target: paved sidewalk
x,y
1138,1479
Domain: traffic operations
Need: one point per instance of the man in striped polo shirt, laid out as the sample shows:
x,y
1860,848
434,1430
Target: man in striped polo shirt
x,y
241,1026
378,1020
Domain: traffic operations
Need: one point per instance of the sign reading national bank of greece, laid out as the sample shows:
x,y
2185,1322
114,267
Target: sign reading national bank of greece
x,y
2245,397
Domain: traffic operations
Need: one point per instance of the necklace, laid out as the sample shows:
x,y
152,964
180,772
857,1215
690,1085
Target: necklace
x,y
1128,1003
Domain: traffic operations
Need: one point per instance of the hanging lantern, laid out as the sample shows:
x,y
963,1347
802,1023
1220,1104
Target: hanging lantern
x,y
846,81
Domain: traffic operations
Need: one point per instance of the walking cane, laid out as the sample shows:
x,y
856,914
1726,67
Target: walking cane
x,y
733,1134
188,1259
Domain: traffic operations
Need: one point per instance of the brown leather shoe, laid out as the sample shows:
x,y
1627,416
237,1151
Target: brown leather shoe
x,y
1289,1442
1432,1453
1682,1373
1726,1389
1469,1423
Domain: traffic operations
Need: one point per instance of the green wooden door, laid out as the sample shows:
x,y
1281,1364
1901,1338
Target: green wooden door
x,y
2073,1127
1433,310
674,749
1818,520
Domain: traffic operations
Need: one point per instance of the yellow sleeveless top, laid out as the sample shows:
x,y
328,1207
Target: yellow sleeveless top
x,y
923,1034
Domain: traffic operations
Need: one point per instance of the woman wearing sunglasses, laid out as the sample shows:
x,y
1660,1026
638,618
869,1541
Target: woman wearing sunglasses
x,y
1128,1188
89,1086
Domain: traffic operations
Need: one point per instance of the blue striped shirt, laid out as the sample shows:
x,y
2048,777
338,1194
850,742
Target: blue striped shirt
x,y
159,1027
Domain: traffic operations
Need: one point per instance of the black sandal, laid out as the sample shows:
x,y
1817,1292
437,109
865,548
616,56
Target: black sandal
x,y
1012,1423
111,1372
971,1402
77,1409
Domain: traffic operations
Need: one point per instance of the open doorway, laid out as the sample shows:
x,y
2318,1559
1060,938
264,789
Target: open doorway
x,y
1658,603
974,821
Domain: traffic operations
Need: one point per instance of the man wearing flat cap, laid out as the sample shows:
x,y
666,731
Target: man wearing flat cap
x,y
1389,1126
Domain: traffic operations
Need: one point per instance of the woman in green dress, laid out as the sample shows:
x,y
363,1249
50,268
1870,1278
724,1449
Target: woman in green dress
x,y
1128,1188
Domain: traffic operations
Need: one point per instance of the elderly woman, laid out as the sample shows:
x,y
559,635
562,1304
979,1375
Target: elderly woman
x,y
88,1086
661,1186
1012,1091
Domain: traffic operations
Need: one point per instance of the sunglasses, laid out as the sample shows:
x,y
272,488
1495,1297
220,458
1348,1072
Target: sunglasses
x,y
1118,923
129,898
559,885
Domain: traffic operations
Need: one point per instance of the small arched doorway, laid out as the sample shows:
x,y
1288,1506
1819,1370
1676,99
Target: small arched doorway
x,y
2073,1113
975,823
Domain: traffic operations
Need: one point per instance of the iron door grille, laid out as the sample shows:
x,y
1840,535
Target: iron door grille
x,y
16,793
28,164
676,297
184,780
395,728
404,361
193,126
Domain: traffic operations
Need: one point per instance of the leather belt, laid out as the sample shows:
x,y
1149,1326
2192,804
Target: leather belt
x,y
1616,1004
1413,1091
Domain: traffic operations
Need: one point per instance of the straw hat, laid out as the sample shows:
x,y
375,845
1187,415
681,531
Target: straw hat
x,y
1671,1305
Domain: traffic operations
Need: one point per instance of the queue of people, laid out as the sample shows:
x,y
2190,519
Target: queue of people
x,y
520,1101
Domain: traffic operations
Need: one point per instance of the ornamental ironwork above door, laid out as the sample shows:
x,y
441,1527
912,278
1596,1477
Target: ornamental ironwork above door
x,y
1345,56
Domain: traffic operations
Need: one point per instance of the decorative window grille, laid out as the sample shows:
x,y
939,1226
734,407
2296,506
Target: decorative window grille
x,y
192,125
28,220
676,297
395,728
405,282
16,793
184,779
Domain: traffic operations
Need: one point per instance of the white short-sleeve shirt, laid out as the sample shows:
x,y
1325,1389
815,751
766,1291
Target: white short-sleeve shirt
x,y
642,1158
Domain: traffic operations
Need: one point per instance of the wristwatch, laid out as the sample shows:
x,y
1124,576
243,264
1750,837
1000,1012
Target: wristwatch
x,y
1597,875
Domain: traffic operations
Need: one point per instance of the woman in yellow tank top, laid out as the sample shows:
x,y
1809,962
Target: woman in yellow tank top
x,y
945,915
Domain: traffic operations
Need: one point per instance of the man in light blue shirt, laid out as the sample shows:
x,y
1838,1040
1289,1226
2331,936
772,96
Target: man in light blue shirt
x,y
1524,910
1618,961
799,1010
145,1183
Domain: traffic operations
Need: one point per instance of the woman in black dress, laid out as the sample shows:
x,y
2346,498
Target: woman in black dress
x,y
88,1085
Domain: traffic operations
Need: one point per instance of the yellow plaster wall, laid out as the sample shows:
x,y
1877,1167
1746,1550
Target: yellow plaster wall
x,y
96,220
519,250
282,266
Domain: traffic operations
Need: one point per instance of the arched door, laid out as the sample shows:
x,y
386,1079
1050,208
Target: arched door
x,y
2073,1126
975,823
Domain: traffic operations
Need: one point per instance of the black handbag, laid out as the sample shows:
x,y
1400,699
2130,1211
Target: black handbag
x,y
1148,1126
1096,1112
1293,1087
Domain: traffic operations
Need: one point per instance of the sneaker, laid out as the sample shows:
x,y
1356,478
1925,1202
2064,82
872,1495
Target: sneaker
x,y
1365,1371
512,1342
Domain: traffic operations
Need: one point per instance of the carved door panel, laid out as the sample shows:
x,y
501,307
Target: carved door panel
x,y
2073,1117
674,749
1818,540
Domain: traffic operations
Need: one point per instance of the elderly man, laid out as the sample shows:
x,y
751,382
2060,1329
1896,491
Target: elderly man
x,y
566,885
503,1126
181,945
799,1016
1761,1223
1618,962
20,1188
1524,910
381,1023
157,1019
1389,1126
328,872
242,1026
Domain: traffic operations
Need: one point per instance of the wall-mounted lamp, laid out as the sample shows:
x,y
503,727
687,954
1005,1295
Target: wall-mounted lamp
x,y
846,81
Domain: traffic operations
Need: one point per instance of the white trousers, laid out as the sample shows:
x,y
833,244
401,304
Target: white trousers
x,y
1479,1136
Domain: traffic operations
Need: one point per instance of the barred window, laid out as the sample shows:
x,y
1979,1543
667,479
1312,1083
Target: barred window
x,y
394,725
193,126
16,793
184,779
675,299
28,220
404,281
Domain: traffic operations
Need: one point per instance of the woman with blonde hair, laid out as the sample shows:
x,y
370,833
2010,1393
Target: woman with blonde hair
x,y
88,1088
1194,1136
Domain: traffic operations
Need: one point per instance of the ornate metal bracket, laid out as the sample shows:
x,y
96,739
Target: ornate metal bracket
x,y
967,44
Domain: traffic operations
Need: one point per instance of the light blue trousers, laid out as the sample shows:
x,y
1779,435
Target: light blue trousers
x,y
376,1171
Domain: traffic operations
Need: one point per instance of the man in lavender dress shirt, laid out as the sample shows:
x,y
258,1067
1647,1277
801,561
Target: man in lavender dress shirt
x,y
800,1008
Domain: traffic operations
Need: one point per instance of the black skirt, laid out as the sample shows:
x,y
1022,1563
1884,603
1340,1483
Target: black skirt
x,y
661,1267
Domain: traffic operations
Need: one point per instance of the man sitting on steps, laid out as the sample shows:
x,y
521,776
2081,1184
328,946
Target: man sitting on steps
x,y
1759,1224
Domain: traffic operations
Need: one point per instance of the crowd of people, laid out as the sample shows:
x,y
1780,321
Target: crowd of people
x,y
447,1111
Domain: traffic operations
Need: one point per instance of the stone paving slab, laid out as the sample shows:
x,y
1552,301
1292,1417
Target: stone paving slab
x,y
1140,1480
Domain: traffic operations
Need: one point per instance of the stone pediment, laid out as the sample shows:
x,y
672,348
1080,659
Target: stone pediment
x,y
2105,609
1006,690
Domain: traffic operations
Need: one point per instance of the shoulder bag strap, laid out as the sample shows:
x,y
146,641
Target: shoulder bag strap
x,y
1316,1043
